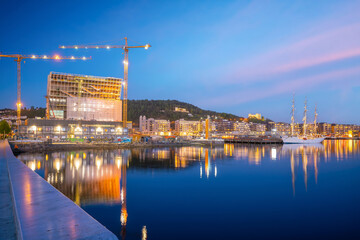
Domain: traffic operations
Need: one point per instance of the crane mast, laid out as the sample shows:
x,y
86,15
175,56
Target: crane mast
x,y
126,48
18,100
126,65
19,58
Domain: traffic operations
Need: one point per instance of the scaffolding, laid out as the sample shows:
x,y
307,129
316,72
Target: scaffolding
x,y
73,96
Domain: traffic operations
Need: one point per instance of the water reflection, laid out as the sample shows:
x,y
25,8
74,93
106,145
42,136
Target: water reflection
x,y
100,176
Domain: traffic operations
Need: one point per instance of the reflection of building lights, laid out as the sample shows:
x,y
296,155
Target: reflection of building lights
x,y
123,217
144,233
77,163
273,153
57,164
215,171
33,166
98,162
118,163
200,171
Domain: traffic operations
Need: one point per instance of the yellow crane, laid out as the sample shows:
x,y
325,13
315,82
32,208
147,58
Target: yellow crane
x,y
19,58
126,48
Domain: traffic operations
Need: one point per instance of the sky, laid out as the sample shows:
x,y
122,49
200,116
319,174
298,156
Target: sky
x,y
238,57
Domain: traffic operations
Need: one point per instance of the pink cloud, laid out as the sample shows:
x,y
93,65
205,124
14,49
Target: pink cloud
x,y
317,60
284,87
329,46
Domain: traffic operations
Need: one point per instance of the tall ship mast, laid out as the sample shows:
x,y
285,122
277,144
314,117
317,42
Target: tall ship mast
x,y
293,116
315,119
304,119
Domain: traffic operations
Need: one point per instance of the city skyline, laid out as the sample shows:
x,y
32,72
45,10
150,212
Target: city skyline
x,y
238,57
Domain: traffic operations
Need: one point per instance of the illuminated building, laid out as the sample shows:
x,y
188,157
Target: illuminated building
x,y
256,115
325,129
177,109
154,126
62,129
224,125
257,129
82,97
345,130
283,128
241,128
187,128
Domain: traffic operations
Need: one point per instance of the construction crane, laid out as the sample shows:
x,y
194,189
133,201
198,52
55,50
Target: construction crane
x,y
126,48
19,58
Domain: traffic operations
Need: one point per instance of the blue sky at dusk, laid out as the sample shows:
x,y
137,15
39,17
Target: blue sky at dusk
x,y
231,56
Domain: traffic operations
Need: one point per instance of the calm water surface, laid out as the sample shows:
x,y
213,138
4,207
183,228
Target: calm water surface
x,y
232,192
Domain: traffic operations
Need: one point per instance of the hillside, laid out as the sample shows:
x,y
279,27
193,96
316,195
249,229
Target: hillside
x,y
164,109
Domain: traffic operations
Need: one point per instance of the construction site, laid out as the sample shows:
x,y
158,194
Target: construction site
x,y
78,106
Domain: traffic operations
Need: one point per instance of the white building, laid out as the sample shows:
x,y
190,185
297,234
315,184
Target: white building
x,y
188,128
154,126
241,128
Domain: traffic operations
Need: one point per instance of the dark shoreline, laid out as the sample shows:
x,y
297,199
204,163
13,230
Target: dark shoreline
x,y
48,147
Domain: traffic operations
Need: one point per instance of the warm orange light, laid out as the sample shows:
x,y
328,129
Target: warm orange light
x,y
45,57
57,57
63,47
146,46
76,47
72,57
33,56
125,62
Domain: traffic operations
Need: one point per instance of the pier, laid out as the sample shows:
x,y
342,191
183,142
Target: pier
x,y
31,208
255,140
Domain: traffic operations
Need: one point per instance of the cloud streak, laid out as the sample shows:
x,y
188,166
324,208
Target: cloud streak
x,y
327,47
299,84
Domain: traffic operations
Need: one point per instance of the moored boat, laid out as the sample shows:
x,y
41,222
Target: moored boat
x,y
302,139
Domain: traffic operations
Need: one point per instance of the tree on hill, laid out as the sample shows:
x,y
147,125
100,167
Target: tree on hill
x,y
4,127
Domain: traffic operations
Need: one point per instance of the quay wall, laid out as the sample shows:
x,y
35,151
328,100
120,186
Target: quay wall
x,y
51,147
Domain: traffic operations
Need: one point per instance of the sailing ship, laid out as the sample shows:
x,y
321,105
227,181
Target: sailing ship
x,y
304,138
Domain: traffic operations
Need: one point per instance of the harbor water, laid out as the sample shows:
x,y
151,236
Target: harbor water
x,y
236,191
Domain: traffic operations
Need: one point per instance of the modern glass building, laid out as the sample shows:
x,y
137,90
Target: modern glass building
x,y
83,97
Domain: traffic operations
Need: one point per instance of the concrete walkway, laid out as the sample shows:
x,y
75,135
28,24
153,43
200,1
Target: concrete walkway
x,y
42,211
7,218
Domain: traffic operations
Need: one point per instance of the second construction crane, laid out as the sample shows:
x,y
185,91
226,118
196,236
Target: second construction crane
x,y
19,58
126,48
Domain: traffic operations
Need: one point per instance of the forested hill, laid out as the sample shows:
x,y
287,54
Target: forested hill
x,y
165,109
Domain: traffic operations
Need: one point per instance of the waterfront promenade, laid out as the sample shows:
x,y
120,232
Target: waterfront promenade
x,y
31,208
